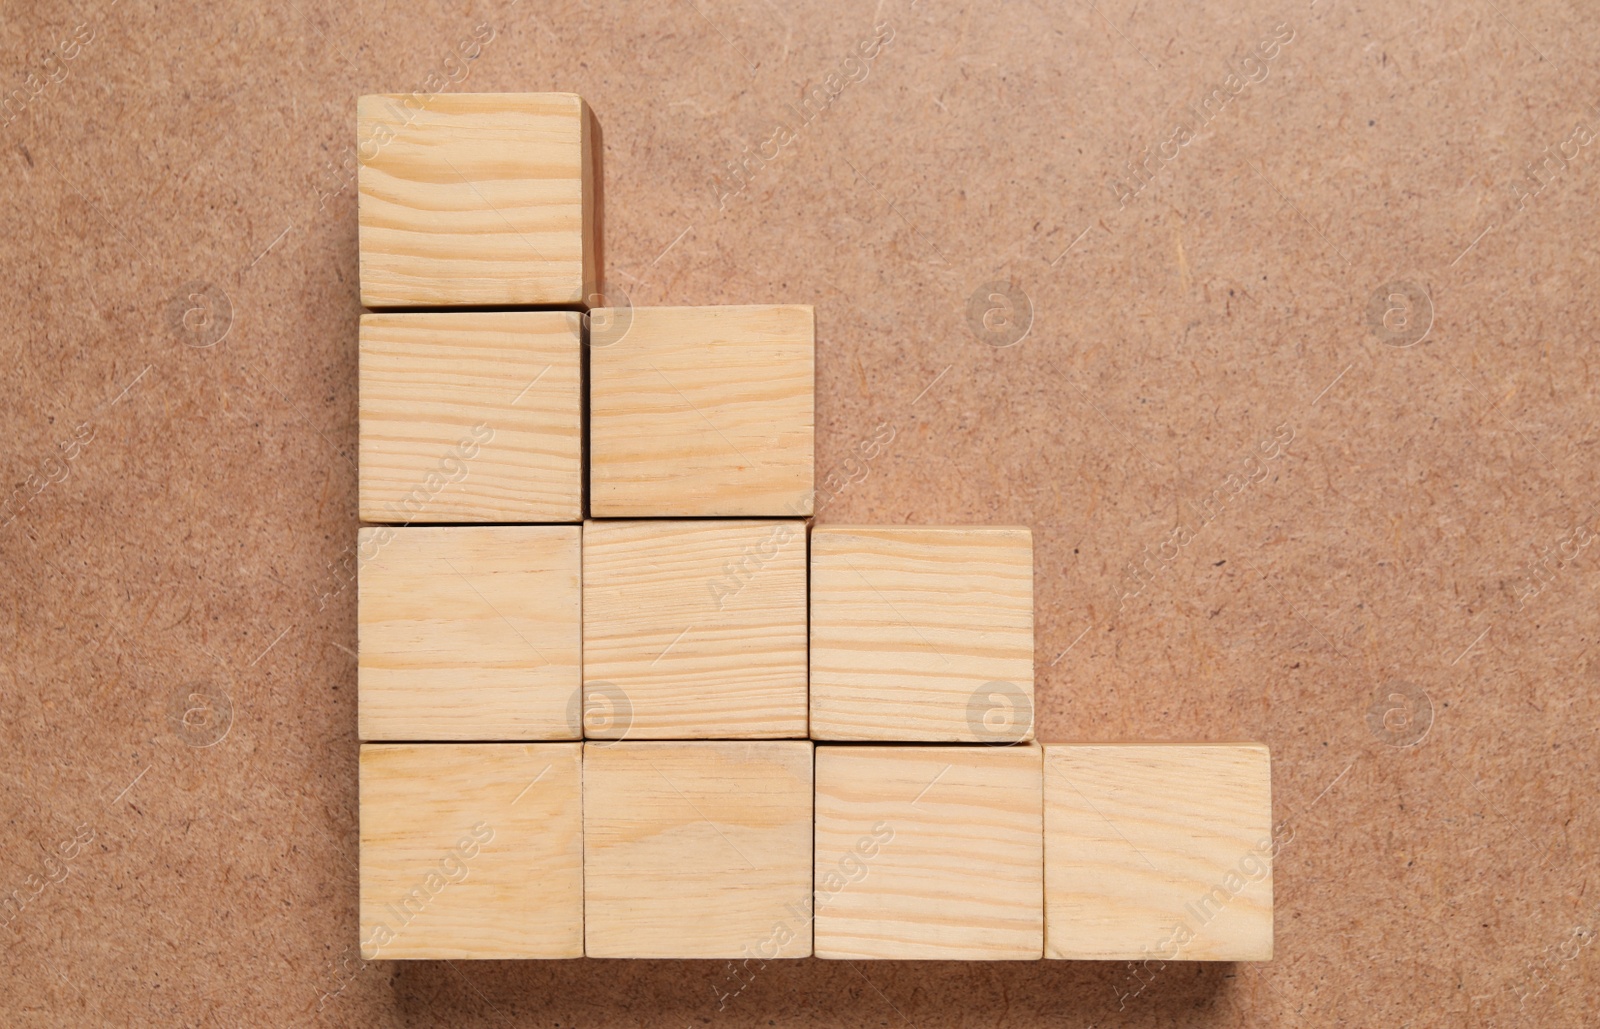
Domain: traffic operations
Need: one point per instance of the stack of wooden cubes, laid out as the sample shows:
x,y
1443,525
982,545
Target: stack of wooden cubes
x,y
621,699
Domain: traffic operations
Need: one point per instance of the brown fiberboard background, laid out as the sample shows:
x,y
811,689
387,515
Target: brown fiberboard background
x,y
1339,534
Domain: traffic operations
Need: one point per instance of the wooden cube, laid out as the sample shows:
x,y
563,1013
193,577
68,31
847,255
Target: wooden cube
x,y
921,633
471,850
929,853
471,417
702,411
476,199
695,629
1158,852
697,850
469,632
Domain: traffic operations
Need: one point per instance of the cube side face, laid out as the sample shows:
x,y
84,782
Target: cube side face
x,y
593,282
475,199
704,412
1158,851
695,629
471,851
698,850
471,417
922,634
469,633
929,853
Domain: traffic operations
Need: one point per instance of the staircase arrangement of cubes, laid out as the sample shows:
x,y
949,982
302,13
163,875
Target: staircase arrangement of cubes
x,y
619,698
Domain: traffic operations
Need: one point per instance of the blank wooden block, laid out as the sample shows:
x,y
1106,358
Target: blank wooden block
x,y
921,633
471,850
469,632
929,853
1158,851
702,411
695,629
476,199
471,417
697,850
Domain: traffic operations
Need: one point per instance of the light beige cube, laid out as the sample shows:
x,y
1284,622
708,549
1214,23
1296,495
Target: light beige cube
x,y
698,849
1158,852
921,633
471,851
476,199
695,629
929,853
473,416
702,412
469,632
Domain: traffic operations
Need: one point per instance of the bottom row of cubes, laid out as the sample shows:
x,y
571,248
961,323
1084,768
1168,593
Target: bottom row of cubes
x,y
789,849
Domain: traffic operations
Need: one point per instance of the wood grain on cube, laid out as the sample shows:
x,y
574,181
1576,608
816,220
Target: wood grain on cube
x,y
929,853
471,417
471,851
469,632
1158,851
697,849
475,199
695,629
922,633
702,411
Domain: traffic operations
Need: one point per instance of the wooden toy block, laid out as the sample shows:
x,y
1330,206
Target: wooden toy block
x,y
471,417
929,853
921,633
695,629
476,199
469,632
471,850
701,411
697,850
1158,852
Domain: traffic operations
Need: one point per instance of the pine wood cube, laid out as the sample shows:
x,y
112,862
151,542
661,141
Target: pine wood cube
x,y
471,850
697,850
1158,852
702,412
695,629
469,632
476,199
471,417
922,633
929,853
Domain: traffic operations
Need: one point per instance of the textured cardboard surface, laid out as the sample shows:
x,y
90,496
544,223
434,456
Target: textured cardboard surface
x,y
1318,519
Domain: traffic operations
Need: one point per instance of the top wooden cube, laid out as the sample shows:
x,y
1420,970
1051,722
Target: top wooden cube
x,y
476,199
701,412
